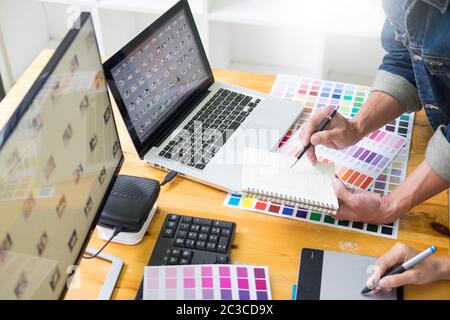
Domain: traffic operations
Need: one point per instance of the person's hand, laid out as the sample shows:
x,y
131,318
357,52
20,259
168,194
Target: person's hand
x,y
430,269
364,206
339,133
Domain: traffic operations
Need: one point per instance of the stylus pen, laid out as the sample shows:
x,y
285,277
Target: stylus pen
x,y
406,265
322,126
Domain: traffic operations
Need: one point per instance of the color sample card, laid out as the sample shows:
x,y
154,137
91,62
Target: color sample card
x,y
315,94
358,166
258,204
207,282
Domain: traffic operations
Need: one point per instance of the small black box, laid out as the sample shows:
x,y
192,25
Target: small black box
x,y
129,203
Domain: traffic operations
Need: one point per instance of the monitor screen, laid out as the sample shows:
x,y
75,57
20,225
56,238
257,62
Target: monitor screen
x,y
59,155
158,70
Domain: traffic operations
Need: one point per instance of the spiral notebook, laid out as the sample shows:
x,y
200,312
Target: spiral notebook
x,y
268,174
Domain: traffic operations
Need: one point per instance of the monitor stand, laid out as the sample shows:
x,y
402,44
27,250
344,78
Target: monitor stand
x,y
113,274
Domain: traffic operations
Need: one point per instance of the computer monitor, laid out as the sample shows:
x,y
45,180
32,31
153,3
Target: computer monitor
x,y
59,156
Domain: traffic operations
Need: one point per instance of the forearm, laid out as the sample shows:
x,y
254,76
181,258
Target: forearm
x,y
379,109
420,185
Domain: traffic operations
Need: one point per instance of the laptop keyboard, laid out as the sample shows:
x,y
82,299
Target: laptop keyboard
x,y
202,137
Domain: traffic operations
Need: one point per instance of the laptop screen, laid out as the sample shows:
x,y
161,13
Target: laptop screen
x,y
163,68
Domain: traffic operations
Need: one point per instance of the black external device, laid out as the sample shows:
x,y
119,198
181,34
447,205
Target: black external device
x,y
129,203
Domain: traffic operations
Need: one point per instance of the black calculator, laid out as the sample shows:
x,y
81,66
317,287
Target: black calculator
x,y
192,240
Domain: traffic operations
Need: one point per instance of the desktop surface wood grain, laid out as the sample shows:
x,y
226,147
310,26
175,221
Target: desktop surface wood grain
x,y
260,239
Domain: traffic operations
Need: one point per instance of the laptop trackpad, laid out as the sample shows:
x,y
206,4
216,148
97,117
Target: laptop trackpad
x,y
275,116
261,136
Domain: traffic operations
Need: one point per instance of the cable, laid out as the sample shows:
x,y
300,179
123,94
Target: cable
x,y
169,177
115,233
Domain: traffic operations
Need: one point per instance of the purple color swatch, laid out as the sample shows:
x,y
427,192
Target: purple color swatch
x,y
383,162
357,153
225,294
244,295
259,273
377,159
364,155
370,157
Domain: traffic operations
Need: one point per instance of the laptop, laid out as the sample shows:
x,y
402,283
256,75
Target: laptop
x,y
178,116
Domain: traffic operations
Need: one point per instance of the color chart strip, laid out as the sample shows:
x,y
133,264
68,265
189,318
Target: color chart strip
x,y
251,203
207,282
315,94
358,165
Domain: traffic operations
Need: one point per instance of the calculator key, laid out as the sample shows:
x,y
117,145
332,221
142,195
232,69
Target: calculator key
x,y
187,254
223,224
215,230
222,245
174,217
204,229
195,227
187,219
168,233
179,242
171,224
222,259
226,232
203,236
192,235
181,234
184,261
211,246
176,253
213,238
189,243
184,226
200,245
203,222
173,260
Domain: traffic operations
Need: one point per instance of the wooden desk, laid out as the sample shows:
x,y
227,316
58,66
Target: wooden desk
x,y
260,239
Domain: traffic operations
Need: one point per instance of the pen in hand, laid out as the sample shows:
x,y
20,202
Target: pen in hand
x,y
406,265
322,126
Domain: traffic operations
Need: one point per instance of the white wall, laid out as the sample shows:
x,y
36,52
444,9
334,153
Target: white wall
x,y
352,59
333,39
24,28
279,49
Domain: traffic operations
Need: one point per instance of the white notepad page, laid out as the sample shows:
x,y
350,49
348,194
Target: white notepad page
x,y
269,173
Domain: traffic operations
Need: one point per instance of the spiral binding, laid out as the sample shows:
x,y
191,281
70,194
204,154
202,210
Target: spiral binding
x,y
305,203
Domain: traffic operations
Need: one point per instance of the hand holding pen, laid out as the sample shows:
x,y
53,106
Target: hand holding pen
x,y
413,267
321,127
338,134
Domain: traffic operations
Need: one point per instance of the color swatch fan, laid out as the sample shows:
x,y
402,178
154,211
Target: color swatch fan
x,y
358,166
316,94
207,282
